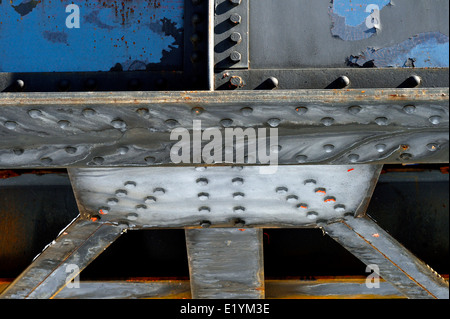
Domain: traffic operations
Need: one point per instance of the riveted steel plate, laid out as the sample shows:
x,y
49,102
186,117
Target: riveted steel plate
x,y
314,127
159,197
231,24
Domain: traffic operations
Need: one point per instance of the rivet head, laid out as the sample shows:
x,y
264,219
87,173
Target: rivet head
x,y
380,148
339,208
301,158
203,196
239,209
312,215
130,184
353,158
327,121
302,206
238,196
344,81
141,208
197,110
301,110
20,85
171,123
46,160
98,160
414,81
292,199
432,147
382,121
328,148
329,199
235,18
320,191
355,109
121,193
18,151
435,120
237,181
64,124
150,159
132,216
273,81
150,200
123,150
281,190
204,210
274,122
159,191
239,223
34,113
226,122
236,81
246,111
112,201
143,112
409,109
310,182
202,181
205,224
88,112
118,124
235,2
235,56
405,156
10,125
70,150
236,37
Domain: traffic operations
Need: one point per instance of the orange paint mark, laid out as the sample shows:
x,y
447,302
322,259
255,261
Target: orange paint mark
x,y
376,235
94,219
102,212
351,170
241,229
330,200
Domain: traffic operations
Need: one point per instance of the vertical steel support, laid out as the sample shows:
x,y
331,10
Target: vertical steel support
x,y
62,260
393,262
226,263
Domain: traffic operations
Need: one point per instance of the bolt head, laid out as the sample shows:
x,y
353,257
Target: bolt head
x,y
236,81
235,18
236,37
235,56
235,2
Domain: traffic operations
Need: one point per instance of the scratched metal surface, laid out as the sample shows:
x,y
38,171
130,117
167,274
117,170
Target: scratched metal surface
x,y
161,197
314,127
138,35
335,31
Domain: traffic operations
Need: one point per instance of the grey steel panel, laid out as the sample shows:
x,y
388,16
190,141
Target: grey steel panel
x,y
77,245
118,129
226,263
293,196
231,44
293,34
374,246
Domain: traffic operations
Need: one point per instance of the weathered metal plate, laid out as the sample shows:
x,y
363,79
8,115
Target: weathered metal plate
x,y
226,263
389,259
314,127
293,196
137,35
62,260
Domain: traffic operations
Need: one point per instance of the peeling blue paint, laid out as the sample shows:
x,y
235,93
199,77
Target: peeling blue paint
x,y
349,18
34,36
424,50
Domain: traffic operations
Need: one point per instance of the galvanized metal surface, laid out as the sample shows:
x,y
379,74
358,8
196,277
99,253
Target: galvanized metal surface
x,y
314,127
226,263
374,246
77,245
293,196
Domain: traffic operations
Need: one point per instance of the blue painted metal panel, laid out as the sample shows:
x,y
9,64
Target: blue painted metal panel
x,y
137,34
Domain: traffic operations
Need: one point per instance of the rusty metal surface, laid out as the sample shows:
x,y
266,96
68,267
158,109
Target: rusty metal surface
x,y
374,246
122,129
293,196
226,263
77,245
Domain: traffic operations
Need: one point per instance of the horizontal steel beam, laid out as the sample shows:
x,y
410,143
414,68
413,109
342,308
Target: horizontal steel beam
x,y
388,258
314,127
